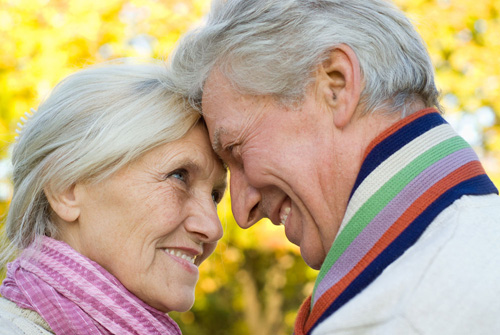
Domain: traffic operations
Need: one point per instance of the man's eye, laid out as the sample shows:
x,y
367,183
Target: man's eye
x,y
230,148
233,149
180,174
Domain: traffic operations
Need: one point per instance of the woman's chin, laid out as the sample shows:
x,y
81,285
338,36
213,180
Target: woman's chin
x,y
174,305
185,308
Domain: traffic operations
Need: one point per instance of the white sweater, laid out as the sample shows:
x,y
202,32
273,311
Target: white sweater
x,y
19,321
448,282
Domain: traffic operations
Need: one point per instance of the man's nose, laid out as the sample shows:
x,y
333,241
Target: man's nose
x,y
245,200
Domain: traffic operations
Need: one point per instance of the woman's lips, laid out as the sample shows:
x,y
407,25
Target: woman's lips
x,y
185,259
181,254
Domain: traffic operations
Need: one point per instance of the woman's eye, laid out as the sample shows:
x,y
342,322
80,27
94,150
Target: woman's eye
x,y
216,197
179,174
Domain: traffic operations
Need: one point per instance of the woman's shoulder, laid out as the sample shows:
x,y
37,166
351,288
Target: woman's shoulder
x,y
15,320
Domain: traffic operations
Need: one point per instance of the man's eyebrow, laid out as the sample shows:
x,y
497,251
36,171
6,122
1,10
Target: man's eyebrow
x,y
216,144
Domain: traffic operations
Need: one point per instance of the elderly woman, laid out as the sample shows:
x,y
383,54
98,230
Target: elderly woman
x,y
114,207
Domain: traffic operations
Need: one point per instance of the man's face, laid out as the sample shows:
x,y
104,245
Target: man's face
x,y
282,162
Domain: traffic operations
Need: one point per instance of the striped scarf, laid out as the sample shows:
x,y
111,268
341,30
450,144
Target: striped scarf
x,y
76,295
410,173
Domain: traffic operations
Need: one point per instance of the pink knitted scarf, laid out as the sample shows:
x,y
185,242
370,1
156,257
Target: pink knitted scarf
x,y
76,295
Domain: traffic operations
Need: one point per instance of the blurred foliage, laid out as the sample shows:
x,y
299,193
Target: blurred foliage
x,y
256,280
463,38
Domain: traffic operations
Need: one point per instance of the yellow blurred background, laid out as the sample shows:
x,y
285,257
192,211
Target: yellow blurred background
x,y
256,280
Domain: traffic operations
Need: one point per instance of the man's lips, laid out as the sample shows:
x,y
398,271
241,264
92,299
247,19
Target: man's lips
x,y
284,215
280,218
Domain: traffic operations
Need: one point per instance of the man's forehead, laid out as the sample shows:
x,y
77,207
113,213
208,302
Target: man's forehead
x,y
218,78
216,84
218,106
224,109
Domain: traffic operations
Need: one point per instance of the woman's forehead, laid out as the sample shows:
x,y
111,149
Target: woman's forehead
x,y
193,151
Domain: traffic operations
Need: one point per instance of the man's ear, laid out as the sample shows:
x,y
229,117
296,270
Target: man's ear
x,y
64,204
342,83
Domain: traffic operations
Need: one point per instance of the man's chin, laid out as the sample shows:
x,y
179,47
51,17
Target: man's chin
x,y
313,261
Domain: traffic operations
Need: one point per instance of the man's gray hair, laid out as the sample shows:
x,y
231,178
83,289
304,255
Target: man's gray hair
x,y
93,123
273,47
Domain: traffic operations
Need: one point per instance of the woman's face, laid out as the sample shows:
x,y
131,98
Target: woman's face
x,y
153,222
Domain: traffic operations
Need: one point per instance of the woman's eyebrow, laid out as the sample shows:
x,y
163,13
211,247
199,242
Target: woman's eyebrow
x,y
221,183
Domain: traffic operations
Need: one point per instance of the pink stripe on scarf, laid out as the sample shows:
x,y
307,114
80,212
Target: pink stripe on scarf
x,y
76,295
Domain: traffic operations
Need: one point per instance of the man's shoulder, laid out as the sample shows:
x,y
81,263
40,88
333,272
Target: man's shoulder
x,y
470,208
457,287
446,283
472,225
459,248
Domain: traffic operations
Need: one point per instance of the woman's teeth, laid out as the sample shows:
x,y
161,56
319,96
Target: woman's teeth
x,y
182,255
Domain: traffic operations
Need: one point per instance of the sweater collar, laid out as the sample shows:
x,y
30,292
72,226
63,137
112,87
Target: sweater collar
x,y
410,173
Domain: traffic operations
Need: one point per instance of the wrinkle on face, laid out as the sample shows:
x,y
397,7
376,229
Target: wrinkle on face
x,y
129,218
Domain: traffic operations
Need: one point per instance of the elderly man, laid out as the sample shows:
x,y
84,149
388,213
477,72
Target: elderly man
x,y
327,115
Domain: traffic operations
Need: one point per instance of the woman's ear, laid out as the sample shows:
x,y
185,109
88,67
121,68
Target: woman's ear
x,y
341,83
64,204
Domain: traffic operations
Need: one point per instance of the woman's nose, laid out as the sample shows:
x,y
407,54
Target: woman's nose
x,y
204,221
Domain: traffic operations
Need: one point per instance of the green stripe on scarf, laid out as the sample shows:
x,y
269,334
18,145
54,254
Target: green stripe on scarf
x,y
383,196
